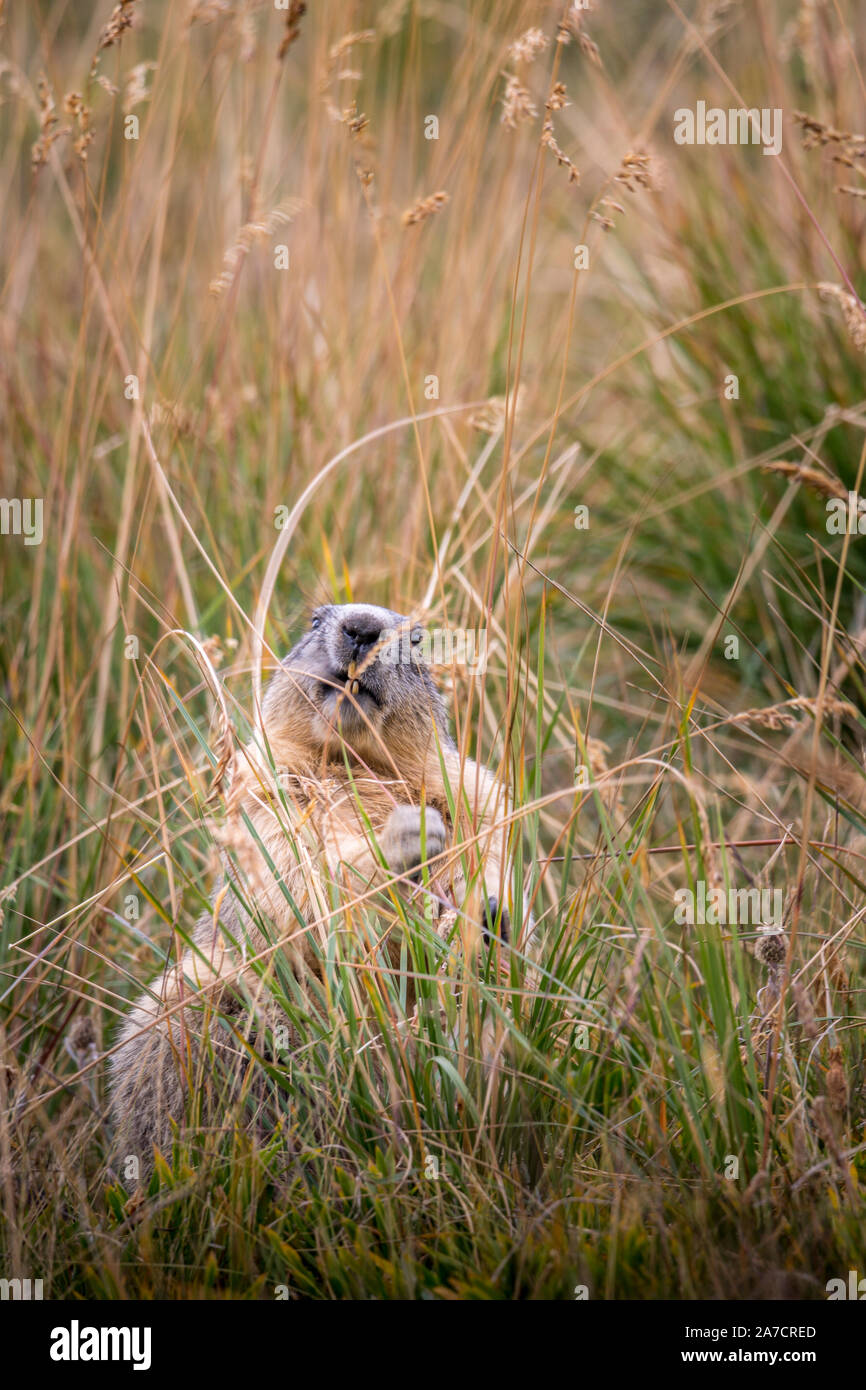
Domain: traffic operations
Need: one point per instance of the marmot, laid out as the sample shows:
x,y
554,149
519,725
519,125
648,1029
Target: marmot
x,y
350,782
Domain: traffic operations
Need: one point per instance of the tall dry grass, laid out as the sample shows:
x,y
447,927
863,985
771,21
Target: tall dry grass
x,y
652,1053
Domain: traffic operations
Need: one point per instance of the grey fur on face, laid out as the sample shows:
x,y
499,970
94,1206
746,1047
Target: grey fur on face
x,y
348,675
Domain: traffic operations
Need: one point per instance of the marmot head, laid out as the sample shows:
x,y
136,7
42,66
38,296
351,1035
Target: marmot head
x,y
356,677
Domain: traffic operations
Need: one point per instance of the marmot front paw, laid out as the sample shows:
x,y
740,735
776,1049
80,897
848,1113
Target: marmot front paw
x,y
401,838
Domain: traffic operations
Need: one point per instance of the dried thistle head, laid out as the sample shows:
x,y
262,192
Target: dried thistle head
x,y
423,208
80,1042
770,950
517,104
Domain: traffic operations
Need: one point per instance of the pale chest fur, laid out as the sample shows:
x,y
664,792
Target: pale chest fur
x,y
290,832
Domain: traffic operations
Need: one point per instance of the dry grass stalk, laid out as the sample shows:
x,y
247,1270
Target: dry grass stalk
x,y
207,11
335,73
804,1010
120,19
555,102
296,11
636,171
517,104
49,126
849,149
784,715
490,419
528,46
135,89
548,139
338,50
815,478
853,312
74,106
423,208
571,28
216,647
801,36
837,1083
817,133
251,232
347,113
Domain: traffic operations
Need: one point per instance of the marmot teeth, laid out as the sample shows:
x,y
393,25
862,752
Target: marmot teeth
x,y
356,686
351,669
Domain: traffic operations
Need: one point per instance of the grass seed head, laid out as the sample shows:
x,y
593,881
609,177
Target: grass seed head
x,y
517,104
528,46
853,312
423,208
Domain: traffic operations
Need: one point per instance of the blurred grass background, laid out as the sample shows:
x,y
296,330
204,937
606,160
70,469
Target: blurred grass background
x,y
596,1159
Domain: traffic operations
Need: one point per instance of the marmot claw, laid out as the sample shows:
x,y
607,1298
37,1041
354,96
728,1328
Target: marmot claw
x,y
489,915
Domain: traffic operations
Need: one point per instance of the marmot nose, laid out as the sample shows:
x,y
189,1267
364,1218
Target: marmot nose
x,y
363,631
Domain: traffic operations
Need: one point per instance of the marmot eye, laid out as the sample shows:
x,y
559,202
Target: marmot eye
x,y
416,635
315,622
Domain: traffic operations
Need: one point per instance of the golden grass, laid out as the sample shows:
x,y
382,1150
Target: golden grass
x,y
292,341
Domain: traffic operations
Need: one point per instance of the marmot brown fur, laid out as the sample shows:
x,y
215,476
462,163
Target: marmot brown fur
x,y
346,784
